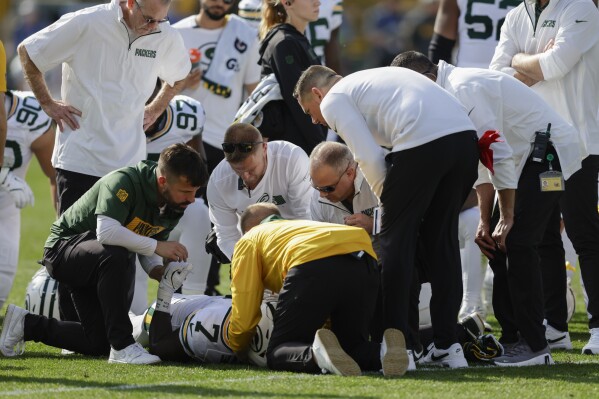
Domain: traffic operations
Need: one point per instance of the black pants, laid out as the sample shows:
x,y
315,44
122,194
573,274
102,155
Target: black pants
x,y
579,209
343,288
517,284
70,187
100,280
424,190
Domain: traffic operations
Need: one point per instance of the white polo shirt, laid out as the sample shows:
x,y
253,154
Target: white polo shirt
x,y
496,101
364,201
286,183
390,107
570,68
108,80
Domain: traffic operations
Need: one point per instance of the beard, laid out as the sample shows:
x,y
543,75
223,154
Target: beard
x,y
213,16
172,208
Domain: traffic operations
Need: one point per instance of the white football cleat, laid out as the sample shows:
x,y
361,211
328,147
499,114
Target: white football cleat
x,y
330,357
13,331
133,354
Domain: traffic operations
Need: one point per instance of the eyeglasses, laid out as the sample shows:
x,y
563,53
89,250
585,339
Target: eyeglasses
x,y
241,147
148,19
332,187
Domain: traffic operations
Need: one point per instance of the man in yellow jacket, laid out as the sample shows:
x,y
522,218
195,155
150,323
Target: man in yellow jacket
x,y
322,272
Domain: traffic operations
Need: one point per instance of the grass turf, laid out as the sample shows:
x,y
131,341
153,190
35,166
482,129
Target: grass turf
x,y
43,371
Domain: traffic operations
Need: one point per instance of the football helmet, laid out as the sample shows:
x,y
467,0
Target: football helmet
x,y
257,352
41,296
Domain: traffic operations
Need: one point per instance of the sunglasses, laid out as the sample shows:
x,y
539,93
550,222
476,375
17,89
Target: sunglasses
x,y
332,187
148,19
241,147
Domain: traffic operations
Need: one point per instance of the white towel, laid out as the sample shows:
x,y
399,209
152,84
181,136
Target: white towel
x,y
229,54
251,110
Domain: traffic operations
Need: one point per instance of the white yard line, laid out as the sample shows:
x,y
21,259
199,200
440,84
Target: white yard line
x,y
129,387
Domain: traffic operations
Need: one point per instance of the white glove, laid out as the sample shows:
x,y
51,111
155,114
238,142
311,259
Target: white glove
x,y
174,275
17,188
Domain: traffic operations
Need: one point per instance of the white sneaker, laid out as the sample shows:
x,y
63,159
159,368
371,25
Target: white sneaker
x,y
411,360
557,339
453,357
133,354
66,352
330,357
592,347
394,357
13,331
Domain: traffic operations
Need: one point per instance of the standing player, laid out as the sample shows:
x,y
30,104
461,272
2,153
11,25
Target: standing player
x,y
30,132
474,24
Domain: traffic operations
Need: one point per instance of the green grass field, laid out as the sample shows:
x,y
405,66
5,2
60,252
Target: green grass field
x,y
43,372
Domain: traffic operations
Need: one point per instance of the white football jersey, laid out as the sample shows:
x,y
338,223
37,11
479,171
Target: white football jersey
x,y
185,118
203,334
26,122
330,16
479,26
203,321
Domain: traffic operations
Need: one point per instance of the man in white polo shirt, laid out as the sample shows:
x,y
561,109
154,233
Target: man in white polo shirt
x,y
427,176
498,102
255,171
341,193
111,55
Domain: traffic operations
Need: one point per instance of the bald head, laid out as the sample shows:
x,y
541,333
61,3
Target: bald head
x,y
332,154
255,213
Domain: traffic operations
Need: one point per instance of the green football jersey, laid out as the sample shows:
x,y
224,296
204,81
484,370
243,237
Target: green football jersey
x,y
128,195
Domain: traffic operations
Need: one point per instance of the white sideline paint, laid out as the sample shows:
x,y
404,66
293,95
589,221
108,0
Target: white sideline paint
x,y
129,387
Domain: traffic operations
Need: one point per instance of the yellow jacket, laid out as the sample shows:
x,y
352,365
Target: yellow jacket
x,y
264,255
